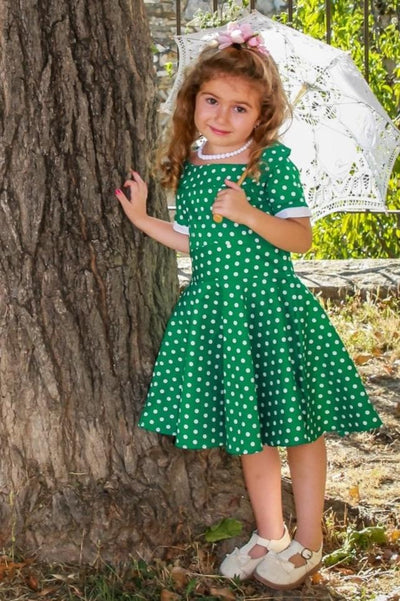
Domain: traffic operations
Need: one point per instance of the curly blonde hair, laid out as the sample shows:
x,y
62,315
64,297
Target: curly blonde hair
x,y
233,61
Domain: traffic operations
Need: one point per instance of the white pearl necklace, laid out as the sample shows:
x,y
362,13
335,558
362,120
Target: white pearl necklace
x,y
222,155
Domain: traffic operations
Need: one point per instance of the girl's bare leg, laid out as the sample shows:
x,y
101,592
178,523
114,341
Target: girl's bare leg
x,y
262,474
307,464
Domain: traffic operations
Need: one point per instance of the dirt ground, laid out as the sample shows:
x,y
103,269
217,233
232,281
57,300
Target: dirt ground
x,y
370,462
363,470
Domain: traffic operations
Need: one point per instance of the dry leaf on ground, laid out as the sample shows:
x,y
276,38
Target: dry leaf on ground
x,y
168,596
223,593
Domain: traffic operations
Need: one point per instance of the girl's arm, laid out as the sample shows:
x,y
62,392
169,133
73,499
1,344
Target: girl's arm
x,y
292,234
136,211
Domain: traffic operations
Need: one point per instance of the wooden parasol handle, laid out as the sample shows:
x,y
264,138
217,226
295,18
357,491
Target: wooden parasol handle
x,y
216,216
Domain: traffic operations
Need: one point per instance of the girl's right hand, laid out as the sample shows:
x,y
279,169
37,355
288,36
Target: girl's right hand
x,y
135,207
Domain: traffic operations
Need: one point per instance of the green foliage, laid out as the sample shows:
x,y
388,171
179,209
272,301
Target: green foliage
x,y
169,67
354,541
356,235
227,11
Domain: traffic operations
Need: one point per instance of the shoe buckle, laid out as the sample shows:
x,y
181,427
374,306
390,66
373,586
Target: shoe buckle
x,y
306,553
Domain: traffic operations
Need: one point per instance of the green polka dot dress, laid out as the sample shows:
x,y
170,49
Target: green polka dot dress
x,y
249,357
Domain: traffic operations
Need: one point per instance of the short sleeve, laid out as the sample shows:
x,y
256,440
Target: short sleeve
x,y
284,188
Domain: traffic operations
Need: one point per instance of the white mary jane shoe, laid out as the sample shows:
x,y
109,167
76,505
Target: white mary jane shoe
x,y
239,564
278,572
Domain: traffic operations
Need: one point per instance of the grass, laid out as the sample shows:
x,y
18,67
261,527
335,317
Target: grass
x,y
188,572
370,326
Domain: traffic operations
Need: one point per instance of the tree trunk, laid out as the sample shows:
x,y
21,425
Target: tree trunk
x,y
84,298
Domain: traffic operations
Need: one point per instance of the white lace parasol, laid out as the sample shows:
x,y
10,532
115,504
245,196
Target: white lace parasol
x,y
342,139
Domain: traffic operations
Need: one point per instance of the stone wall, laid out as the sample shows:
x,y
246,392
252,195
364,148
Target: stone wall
x,y
162,21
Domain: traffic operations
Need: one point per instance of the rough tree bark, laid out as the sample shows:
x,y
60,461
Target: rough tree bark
x,y
83,297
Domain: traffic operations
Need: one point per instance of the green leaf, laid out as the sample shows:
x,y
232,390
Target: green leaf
x,y
338,556
226,528
356,539
191,586
365,538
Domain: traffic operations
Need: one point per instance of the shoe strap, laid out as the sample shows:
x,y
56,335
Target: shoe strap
x,y
276,545
296,548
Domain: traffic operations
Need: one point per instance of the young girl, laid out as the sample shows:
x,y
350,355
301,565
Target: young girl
x,y
249,360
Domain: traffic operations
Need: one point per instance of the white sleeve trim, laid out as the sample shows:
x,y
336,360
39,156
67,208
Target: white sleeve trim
x,y
182,229
294,212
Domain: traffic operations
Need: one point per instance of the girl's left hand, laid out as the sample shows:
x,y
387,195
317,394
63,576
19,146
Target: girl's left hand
x,y
232,203
134,206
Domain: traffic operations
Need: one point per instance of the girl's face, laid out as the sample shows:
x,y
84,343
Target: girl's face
x,y
226,111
